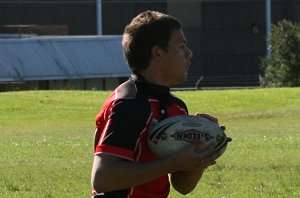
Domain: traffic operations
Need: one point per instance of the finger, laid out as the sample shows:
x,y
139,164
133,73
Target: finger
x,y
228,139
206,164
205,150
214,156
223,128
210,163
207,116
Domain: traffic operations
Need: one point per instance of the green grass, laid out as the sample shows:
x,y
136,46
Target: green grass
x,y
47,138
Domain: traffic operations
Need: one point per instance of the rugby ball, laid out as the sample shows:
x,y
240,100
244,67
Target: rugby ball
x,y
171,134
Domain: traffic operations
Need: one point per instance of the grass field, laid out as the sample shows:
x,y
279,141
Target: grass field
x,y
47,137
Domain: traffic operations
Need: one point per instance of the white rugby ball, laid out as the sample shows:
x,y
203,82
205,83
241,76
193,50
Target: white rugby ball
x,y
171,134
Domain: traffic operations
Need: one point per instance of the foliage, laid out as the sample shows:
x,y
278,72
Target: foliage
x,y
282,68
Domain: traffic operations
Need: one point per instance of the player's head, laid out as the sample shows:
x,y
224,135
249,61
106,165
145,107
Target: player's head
x,y
148,29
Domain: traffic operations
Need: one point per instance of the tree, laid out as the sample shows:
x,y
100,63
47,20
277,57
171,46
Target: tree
x,y
282,68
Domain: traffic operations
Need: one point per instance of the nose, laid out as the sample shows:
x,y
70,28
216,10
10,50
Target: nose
x,y
189,53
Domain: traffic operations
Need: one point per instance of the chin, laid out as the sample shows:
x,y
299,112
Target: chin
x,y
178,79
182,80
185,77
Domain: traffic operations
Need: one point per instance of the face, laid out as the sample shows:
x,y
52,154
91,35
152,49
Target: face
x,y
176,60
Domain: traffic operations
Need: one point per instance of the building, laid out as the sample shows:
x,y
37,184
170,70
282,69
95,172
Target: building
x,y
227,37
65,62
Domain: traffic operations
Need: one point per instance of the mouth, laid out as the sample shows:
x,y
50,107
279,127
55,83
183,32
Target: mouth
x,y
188,66
187,71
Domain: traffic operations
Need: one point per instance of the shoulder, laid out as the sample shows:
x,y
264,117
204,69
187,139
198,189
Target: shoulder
x,y
126,90
131,106
126,99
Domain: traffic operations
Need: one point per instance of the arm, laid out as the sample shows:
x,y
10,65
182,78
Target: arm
x,y
111,173
185,181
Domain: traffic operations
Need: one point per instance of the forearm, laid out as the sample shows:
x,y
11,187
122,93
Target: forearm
x,y
123,174
185,181
111,173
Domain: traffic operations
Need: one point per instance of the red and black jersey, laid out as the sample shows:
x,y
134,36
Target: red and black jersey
x,y
123,124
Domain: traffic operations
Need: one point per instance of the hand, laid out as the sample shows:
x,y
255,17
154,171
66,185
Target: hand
x,y
228,139
194,157
207,116
220,151
214,119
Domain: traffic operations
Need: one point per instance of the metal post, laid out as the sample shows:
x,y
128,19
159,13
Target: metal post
x,y
268,28
99,17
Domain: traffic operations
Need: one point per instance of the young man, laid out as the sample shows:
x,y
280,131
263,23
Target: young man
x,y
156,50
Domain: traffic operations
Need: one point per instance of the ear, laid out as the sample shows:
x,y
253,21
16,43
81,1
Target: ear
x,y
156,52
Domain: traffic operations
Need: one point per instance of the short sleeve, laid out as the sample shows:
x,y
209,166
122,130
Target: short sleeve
x,y
126,120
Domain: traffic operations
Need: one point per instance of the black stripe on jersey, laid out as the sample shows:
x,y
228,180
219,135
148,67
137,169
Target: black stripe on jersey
x,y
128,119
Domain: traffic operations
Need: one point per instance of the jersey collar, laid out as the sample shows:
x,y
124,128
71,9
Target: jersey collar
x,y
158,89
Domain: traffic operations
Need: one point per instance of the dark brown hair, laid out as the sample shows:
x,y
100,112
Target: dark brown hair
x,y
146,30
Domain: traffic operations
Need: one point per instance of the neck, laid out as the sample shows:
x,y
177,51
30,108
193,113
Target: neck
x,y
153,74
154,78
